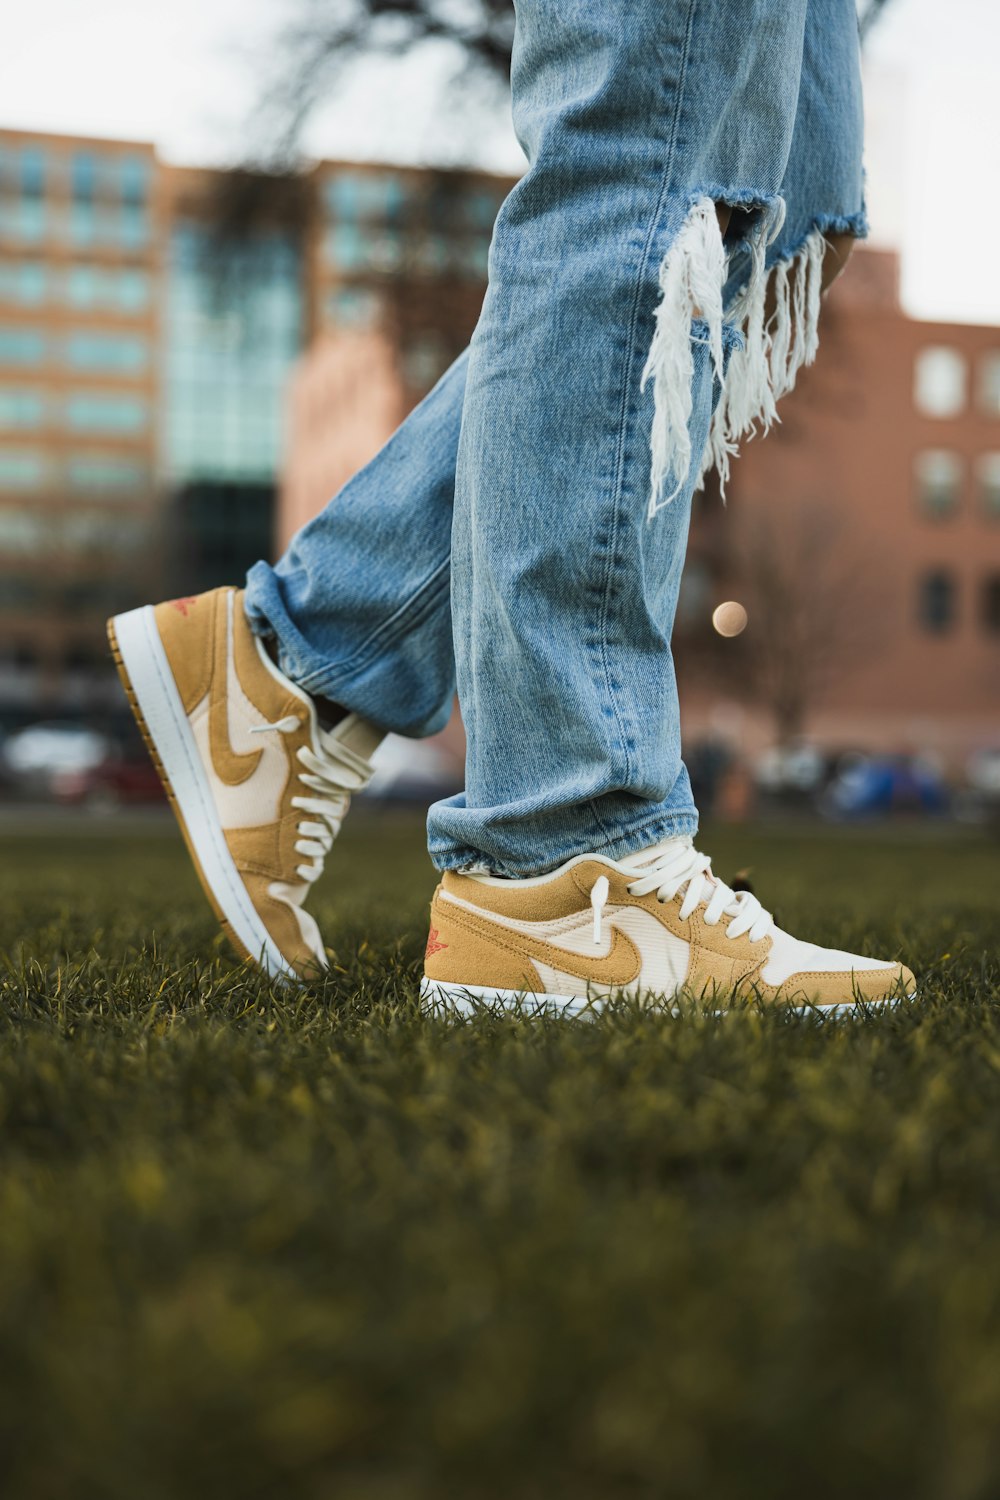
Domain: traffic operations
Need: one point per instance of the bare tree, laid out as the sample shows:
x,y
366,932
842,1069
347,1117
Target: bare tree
x,y
813,605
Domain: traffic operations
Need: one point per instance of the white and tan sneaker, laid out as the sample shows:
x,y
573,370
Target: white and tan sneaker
x,y
656,925
258,786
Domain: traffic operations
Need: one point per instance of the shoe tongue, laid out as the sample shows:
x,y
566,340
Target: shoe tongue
x,y
643,858
356,735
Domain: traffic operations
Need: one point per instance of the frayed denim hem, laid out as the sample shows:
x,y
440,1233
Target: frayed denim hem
x,y
758,344
629,841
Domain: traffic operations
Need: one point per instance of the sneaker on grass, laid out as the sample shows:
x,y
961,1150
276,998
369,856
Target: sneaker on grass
x,y
259,788
656,925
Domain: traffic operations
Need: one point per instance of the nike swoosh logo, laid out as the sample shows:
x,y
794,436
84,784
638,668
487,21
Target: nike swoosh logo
x,y
233,767
622,965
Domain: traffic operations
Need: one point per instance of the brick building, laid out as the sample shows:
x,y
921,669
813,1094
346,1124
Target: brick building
x,y
880,490
144,364
883,481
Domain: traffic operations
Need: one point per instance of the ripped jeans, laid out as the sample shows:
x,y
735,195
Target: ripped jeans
x,y
523,532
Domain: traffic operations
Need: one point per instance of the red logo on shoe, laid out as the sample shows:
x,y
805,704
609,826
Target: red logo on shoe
x,y
183,605
433,946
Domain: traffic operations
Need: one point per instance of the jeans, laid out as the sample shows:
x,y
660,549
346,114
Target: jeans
x,y
523,532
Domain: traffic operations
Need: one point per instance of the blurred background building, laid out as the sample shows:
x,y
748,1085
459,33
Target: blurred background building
x,y
178,396
145,363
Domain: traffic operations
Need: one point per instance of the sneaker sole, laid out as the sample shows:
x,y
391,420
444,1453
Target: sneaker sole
x,y
460,1001
153,697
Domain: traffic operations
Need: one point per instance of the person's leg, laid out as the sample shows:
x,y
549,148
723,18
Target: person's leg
x,y
359,605
562,634
637,119
821,215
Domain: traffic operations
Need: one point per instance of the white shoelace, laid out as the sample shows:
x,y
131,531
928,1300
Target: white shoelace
x,y
680,866
335,772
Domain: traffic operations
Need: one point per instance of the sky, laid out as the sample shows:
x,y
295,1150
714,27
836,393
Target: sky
x,y
187,75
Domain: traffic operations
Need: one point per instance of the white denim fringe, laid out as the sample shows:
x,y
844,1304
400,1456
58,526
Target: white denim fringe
x,y
759,373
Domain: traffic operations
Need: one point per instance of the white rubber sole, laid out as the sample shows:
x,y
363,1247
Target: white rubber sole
x,y
148,679
459,1001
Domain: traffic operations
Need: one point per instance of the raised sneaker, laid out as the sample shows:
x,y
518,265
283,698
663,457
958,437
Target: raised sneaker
x,y
259,787
656,926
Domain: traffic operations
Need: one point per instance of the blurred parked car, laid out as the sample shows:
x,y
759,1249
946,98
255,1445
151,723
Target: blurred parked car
x,y
33,757
413,771
112,784
790,769
874,785
979,801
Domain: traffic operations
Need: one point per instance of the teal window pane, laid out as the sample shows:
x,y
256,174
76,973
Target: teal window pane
x,y
21,346
134,179
21,469
365,195
83,175
82,224
83,286
23,220
480,209
343,196
132,291
133,226
474,259
345,247
22,283
32,171
88,411
96,471
106,351
21,409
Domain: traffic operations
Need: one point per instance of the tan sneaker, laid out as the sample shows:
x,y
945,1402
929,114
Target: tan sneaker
x,y
259,788
653,925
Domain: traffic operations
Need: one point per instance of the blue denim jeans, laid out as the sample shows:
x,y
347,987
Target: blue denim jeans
x,y
523,532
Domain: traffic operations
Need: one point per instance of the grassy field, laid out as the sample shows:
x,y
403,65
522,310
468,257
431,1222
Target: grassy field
x,y
318,1246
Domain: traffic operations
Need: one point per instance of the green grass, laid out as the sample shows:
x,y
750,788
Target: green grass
x,y
309,1247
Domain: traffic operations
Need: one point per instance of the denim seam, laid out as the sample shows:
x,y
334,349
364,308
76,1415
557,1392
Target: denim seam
x,y
673,825
624,412
408,616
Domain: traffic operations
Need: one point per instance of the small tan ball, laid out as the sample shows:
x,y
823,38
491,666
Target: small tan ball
x,y
730,618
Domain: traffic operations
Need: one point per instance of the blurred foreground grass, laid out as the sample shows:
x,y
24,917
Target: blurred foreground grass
x,y
262,1245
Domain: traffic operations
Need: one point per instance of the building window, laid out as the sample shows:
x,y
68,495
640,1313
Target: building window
x,y
939,479
33,172
21,346
105,471
23,283
474,258
364,195
83,175
21,409
936,601
23,221
989,382
991,604
940,377
88,411
989,484
134,173
121,353
133,226
353,307
480,209
21,469
82,224
91,287
346,248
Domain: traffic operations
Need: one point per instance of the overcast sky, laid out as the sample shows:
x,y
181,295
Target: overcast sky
x,y
186,74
